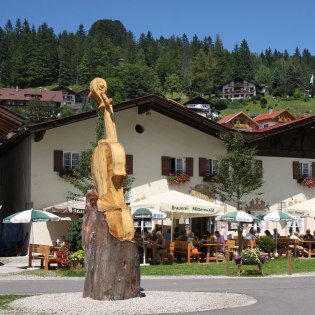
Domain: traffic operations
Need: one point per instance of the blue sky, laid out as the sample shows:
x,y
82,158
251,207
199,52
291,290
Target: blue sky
x,y
279,24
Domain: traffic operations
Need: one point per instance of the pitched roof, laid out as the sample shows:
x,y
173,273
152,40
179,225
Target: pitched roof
x,y
27,95
272,115
235,115
144,104
9,121
198,100
229,117
279,128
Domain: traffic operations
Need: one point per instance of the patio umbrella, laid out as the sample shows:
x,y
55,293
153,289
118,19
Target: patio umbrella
x,y
277,216
143,213
139,213
240,217
30,216
237,216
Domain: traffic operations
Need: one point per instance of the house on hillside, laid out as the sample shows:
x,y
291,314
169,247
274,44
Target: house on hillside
x,y
202,107
239,121
70,97
160,137
20,97
240,88
274,117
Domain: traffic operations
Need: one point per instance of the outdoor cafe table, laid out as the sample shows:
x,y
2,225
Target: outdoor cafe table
x,y
216,251
152,247
308,246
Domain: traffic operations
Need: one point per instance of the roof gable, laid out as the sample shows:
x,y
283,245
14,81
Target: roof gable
x,y
272,115
198,100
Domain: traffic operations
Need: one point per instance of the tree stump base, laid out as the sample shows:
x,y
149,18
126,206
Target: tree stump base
x,y
112,270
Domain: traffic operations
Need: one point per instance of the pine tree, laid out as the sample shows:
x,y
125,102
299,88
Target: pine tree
x,y
276,79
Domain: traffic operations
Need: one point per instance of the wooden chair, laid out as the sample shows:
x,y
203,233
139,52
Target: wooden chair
x,y
169,255
42,252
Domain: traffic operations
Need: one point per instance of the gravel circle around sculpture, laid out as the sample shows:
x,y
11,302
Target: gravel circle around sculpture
x,y
154,302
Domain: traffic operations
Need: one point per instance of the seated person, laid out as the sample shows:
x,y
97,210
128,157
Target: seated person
x,y
168,235
220,240
160,246
276,234
183,236
251,234
308,236
301,250
191,238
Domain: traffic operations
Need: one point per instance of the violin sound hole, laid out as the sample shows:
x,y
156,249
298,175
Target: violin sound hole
x,y
139,128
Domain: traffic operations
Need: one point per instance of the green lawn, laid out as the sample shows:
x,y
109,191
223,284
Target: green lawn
x,y
271,267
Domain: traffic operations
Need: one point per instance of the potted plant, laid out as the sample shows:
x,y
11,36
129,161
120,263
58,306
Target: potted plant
x,y
251,256
77,259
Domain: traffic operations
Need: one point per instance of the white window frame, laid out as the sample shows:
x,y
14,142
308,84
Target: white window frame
x,y
71,160
212,166
305,169
180,165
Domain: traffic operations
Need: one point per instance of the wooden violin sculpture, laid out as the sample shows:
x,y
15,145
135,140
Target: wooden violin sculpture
x,y
108,169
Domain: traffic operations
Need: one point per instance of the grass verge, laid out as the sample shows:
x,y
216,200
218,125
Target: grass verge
x,y
5,300
271,267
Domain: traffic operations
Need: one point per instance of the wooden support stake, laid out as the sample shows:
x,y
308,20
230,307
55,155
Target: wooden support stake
x,y
227,263
289,262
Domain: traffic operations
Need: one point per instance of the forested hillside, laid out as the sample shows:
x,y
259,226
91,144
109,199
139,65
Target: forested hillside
x,y
133,67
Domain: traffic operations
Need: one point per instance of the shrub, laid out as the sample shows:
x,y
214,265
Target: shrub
x,y
266,244
236,104
220,104
263,101
74,236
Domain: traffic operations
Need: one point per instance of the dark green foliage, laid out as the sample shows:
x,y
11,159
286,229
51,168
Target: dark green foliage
x,y
236,104
37,111
32,57
220,104
263,102
74,236
238,173
266,244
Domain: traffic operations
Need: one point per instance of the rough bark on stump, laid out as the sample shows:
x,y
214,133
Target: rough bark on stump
x,y
112,270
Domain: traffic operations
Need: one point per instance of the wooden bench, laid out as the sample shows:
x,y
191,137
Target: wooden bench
x,y
42,252
185,248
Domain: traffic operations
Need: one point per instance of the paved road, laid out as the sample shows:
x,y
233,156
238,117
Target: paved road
x,y
275,295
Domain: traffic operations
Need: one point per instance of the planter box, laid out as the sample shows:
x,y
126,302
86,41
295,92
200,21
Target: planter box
x,y
240,270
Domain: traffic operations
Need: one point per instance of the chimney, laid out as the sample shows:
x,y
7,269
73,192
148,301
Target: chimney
x,y
270,110
16,88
